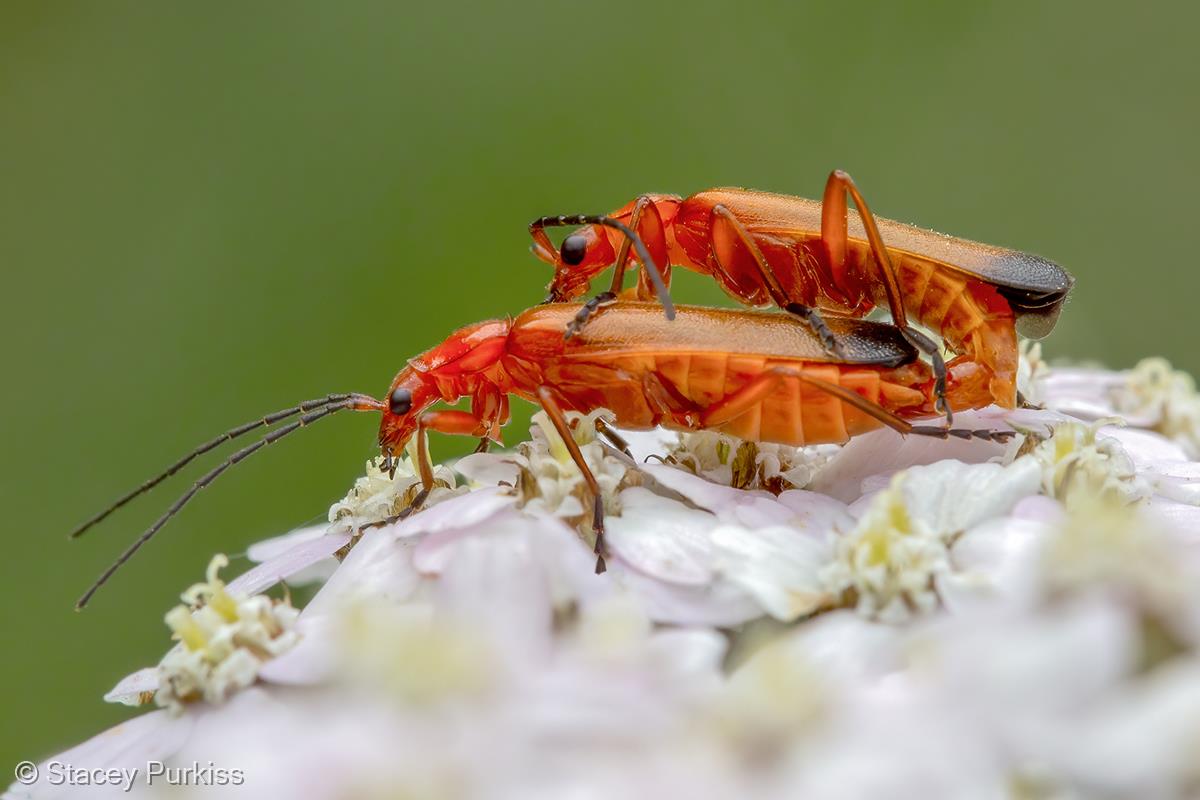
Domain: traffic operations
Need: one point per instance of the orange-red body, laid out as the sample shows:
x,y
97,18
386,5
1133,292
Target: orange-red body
x,y
971,294
682,374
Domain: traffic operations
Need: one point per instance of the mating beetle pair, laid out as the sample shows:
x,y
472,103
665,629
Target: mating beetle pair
x,y
815,374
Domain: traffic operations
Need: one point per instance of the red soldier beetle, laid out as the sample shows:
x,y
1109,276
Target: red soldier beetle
x,y
758,376
811,257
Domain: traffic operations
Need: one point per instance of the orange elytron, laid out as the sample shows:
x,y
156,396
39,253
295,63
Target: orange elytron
x,y
761,377
810,257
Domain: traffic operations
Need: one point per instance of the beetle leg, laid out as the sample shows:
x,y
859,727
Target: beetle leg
x,y
721,215
647,223
930,348
587,311
834,232
649,226
753,392
449,421
558,419
815,321
615,439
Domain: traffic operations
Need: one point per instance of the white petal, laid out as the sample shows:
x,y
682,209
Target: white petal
x,y
730,505
654,442
720,604
313,658
950,496
883,452
493,583
305,553
156,736
1174,480
278,545
663,538
488,469
1143,445
994,561
1069,654
1139,741
133,687
457,512
688,650
814,511
1039,508
846,647
378,568
779,566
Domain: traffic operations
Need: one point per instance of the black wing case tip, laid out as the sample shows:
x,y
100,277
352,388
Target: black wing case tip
x,y
872,343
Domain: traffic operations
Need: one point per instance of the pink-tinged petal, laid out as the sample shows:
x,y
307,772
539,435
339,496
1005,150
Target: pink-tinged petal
x,y
1143,445
860,506
378,569
884,452
662,538
278,545
434,552
996,561
456,513
488,469
719,605
302,555
156,736
494,584
133,687
734,506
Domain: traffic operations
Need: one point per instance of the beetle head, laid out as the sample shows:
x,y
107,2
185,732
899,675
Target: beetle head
x,y
585,253
455,368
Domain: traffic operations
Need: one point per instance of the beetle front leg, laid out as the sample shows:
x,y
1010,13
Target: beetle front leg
x,y
449,421
559,420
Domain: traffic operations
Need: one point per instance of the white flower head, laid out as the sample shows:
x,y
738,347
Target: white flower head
x,y
749,465
887,564
1110,545
549,480
378,495
1079,466
1167,397
223,640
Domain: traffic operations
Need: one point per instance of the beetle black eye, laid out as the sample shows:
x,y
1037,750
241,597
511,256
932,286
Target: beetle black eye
x,y
574,248
401,401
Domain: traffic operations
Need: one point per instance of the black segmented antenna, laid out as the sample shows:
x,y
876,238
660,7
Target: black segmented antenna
x,y
311,411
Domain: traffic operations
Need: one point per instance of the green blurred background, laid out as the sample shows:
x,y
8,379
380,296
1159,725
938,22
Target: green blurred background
x,y
209,211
